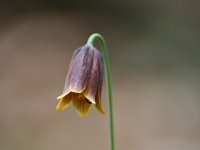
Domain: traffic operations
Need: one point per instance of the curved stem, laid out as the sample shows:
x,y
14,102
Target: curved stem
x,y
102,42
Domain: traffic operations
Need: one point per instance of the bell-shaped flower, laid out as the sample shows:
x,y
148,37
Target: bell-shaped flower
x,y
83,84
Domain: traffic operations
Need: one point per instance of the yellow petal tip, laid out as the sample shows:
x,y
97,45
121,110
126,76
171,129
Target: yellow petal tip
x,y
59,107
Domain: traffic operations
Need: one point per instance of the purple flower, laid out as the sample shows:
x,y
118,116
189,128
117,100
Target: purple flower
x,y
83,84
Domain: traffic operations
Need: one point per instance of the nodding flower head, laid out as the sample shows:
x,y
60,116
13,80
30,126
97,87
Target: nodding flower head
x,y
83,84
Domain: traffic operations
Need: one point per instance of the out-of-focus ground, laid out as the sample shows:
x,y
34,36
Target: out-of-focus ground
x,y
154,47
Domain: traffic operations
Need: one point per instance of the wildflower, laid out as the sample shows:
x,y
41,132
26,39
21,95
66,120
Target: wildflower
x,y
83,84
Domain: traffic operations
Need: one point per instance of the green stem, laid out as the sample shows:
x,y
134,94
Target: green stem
x,y
102,42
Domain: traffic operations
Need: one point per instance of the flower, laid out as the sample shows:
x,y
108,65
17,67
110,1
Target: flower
x,y
83,84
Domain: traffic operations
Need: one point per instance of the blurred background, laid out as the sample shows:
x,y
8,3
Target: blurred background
x,y
154,49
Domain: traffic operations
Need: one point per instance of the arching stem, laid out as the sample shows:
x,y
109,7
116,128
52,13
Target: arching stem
x,y
97,37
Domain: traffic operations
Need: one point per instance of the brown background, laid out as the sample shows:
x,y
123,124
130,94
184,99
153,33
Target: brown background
x,y
154,47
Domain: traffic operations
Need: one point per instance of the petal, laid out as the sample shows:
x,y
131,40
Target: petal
x,y
81,105
100,81
101,73
81,70
99,105
93,81
64,101
69,74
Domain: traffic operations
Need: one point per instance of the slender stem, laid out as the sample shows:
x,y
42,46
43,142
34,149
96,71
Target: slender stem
x,y
102,42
